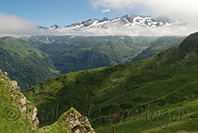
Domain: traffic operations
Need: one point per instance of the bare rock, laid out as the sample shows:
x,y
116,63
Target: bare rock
x,y
78,123
36,122
4,74
14,84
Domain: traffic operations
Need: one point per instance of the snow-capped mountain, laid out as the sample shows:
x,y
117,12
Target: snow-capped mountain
x,y
125,21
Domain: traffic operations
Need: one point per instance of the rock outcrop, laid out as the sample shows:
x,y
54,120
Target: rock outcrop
x,y
77,122
70,122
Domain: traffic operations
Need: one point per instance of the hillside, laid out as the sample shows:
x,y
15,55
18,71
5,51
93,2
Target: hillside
x,y
75,53
25,63
19,114
167,83
57,55
160,45
33,60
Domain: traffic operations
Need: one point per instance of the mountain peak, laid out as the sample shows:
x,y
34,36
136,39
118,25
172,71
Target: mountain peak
x,y
104,19
55,27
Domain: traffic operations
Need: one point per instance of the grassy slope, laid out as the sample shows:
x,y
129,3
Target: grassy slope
x,y
12,120
28,65
21,125
160,45
21,58
166,80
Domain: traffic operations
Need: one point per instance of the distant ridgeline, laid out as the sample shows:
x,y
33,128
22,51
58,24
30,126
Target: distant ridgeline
x,y
19,114
33,60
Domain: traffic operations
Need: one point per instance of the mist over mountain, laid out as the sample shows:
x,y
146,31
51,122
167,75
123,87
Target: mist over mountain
x,y
130,24
127,25
124,21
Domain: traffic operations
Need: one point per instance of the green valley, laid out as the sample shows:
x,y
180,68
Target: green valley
x,y
75,53
165,84
33,60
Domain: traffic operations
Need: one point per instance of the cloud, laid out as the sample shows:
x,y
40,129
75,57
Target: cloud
x,y
185,10
152,6
106,10
117,29
12,25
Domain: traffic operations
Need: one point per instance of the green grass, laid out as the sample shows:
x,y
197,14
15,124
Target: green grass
x,y
33,60
11,119
19,47
166,80
54,71
14,120
60,125
25,63
160,45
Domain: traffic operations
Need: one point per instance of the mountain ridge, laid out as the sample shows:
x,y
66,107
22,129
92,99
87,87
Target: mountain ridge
x,y
124,21
158,46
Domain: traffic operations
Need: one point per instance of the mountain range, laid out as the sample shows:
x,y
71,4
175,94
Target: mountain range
x,y
124,84
128,20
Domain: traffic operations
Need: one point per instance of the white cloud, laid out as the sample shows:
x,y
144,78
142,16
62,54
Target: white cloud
x,y
116,29
106,10
185,10
162,7
11,25
176,8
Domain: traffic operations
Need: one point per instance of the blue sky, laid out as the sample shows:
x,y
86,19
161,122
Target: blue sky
x,y
60,12
21,17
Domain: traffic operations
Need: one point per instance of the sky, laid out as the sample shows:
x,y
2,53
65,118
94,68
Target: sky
x,y
49,12
21,17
